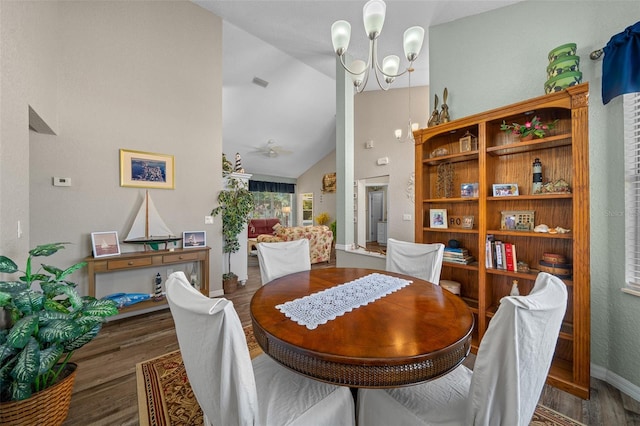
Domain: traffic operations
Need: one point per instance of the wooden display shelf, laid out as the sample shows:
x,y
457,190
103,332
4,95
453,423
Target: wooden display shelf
x,y
564,153
148,259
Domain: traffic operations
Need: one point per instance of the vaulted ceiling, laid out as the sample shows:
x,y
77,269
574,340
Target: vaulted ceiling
x,y
287,44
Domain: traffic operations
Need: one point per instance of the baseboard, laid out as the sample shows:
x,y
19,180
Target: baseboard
x,y
620,383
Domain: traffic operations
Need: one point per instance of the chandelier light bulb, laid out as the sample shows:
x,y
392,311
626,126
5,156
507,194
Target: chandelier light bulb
x,y
373,14
413,39
390,66
398,133
358,67
340,36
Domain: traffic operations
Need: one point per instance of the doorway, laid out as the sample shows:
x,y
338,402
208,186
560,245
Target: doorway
x,y
376,213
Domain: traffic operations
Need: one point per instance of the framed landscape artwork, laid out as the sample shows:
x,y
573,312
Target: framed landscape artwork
x,y
146,170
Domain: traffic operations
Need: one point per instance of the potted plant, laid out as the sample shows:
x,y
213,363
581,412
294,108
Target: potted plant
x,y
235,206
48,322
529,129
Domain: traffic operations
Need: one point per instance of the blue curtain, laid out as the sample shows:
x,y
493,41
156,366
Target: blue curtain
x,y
283,188
621,64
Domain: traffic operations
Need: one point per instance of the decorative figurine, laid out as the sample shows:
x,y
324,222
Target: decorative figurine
x,y
444,115
537,177
158,292
435,115
514,289
238,168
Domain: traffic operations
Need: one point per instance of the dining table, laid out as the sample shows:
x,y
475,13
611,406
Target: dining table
x,y
362,328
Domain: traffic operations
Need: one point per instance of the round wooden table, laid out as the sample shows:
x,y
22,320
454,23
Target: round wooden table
x,y
416,334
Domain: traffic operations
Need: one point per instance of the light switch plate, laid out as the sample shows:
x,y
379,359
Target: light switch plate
x,y
406,216
208,220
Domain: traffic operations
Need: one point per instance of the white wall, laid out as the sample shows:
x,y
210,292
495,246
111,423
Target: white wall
x,y
377,115
500,58
28,36
144,76
311,181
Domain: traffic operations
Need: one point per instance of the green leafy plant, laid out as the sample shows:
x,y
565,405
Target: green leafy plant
x,y
235,205
533,127
47,324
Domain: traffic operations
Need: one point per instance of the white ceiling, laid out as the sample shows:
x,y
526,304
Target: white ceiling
x,y
288,44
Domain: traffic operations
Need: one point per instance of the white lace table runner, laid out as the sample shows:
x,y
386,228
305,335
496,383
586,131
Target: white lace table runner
x,y
326,305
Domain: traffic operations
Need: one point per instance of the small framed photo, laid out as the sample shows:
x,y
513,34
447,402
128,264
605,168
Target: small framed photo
x,y
505,189
194,239
517,220
468,143
469,190
438,218
146,170
105,244
467,222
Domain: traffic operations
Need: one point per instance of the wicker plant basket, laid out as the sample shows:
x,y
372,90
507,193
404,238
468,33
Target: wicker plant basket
x,y
48,407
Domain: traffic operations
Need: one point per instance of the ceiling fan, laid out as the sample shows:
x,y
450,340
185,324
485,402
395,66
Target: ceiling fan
x,y
271,150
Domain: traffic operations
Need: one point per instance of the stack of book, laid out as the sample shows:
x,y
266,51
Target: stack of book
x,y
500,255
457,255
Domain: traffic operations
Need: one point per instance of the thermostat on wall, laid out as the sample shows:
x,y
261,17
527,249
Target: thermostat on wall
x,y
383,160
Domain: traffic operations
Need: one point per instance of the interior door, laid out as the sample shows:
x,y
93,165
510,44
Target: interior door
x,y
376,213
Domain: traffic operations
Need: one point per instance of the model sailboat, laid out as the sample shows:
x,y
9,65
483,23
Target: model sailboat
x,y
148,227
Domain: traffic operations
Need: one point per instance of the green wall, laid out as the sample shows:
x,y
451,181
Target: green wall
x,y
500,57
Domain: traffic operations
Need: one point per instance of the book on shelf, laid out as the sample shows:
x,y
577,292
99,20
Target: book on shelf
x,y
457,255
489,258
499,255
508,256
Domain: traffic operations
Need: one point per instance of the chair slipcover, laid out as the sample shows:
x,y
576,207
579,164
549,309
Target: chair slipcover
x,y
231,388
283,258
422,261
509,372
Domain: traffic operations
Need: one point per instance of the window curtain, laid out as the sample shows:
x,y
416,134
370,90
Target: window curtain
x,y
621,64
279,187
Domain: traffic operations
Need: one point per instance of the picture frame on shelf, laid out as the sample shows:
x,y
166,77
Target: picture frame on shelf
x,y
469,190
105,244
517,220
467,222
468,142
438,218
505,189
194,239
139,169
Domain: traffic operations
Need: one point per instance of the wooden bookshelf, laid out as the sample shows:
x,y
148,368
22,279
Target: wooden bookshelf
x,y
501,158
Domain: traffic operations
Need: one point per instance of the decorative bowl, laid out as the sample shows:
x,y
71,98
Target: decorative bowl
x,y
561,270
563,64
562,81
563,50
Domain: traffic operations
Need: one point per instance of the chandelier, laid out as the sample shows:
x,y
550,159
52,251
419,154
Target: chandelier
x,y
373,15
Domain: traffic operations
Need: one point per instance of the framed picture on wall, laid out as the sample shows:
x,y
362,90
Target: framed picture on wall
x,y
140,169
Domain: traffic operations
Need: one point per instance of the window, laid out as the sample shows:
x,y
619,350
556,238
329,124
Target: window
x,y
631,106
271,204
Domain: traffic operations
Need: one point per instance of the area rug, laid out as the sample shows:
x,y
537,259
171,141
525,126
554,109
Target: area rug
x,y
165,397
164,394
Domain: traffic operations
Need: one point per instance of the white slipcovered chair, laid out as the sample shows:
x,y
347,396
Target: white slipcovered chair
x,y
422,261
283,258
510,370
231,388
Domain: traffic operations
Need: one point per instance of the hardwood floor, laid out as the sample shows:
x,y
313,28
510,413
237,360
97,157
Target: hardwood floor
x,y
105,387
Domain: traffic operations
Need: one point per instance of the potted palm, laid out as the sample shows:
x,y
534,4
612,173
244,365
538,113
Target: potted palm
x,y
49,320
235,206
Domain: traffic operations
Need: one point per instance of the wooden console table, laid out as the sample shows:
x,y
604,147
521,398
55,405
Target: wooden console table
x,y
149,259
